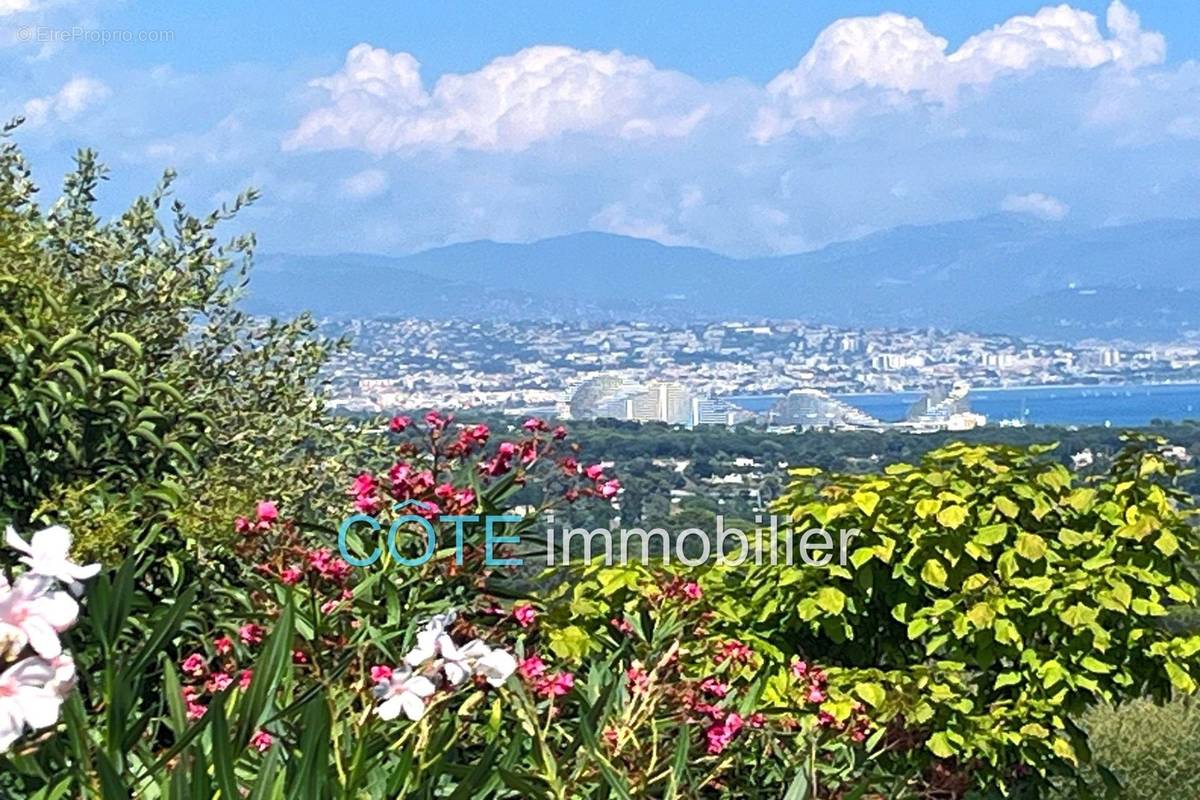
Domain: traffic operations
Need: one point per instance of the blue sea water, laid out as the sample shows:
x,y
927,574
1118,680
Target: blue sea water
x,y
1041,405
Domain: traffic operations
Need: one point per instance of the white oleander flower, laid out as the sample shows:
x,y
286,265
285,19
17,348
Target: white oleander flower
x,y
32,613
459,663
64,678
496,666
48,552
403,693
27,699
426,647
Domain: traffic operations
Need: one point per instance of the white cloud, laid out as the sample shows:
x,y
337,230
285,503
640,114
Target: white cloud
x,y
75,97
15,7
868,64
1037,204
377,102
368,183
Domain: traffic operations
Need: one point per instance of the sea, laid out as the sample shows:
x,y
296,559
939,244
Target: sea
x,y
1111,405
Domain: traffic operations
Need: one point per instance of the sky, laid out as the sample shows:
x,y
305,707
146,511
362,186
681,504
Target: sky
x,y
745,128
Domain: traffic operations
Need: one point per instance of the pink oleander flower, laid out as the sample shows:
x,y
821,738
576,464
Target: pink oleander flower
x,y
399,424
223,644
610,488
195,710
556,685
244,678
219,681
735,651
535,424
464,498
261,741
799,668
692,591
720,735
266,511
525,615
532,668
328,565
815,695
622,625
436,421
243,525
714,687
380,673
560,433
365,483
251,633
290,576
194,665
422,481
637,676
595,472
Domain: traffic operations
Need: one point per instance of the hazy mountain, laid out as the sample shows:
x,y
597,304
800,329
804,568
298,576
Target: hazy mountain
x,y
1000,273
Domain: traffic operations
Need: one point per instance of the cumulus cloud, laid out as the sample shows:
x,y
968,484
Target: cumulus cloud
x,y
378,102
1037,204
368,183
869,64
75,97
15,7
552,140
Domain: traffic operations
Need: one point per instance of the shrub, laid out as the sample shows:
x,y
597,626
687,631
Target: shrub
x,y
1152,749
1020,594
127,370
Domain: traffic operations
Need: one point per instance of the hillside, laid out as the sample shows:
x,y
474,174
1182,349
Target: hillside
x,y
978,274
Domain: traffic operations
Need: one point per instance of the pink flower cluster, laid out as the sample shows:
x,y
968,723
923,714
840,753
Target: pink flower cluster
x,y
679,589
450,448
277,551
265,516
722,726
814,682
534,672
524,615
207,680
734,652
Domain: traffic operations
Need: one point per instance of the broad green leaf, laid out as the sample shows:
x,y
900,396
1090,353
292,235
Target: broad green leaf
x,y
952,516
1031,546
934,574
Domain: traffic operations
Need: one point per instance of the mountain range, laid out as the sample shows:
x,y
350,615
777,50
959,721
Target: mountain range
x,y
1004,273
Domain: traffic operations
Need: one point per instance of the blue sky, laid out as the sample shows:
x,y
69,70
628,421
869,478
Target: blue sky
x,y
747,128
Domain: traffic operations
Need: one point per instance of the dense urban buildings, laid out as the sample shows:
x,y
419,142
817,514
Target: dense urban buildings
x,y
685,374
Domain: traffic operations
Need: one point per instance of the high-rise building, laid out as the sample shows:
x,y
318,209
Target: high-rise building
x,y
710,411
